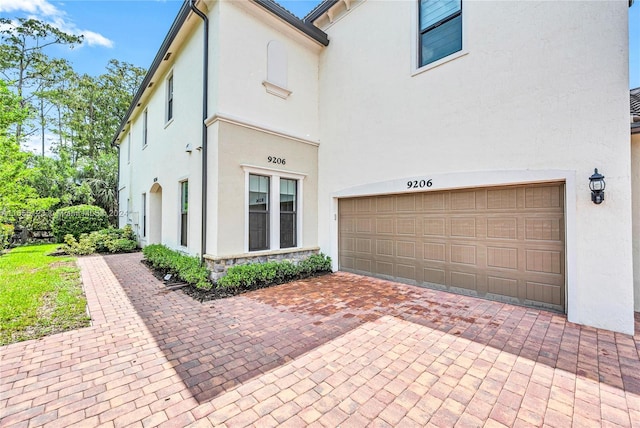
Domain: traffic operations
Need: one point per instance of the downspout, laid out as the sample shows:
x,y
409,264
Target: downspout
x,y
205,100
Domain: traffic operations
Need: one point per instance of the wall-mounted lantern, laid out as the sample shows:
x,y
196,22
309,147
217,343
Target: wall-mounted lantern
x,y
597,184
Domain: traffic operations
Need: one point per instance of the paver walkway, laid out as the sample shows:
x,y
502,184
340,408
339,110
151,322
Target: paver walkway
x,y
337,350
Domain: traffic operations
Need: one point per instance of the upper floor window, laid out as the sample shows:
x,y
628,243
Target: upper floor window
x,y
440,29
170,98
144,128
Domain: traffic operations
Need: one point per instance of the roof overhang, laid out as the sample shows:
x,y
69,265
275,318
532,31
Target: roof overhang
x,y
183,14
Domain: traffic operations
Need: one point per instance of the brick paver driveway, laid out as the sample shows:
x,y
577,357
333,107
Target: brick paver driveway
x,y
338,350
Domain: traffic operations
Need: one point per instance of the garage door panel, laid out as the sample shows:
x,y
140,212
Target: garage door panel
x,y
434,227
384,247
406,249
384,268
384,204
543,197
502,228
504,243
502,286
347,262
406,271
463,200
544,293
436,276
363,265
433,202
465,254
384,226
502,199
406,203
363,246
543,229
464,280
544,261
434,251
464,227
502,257
406,226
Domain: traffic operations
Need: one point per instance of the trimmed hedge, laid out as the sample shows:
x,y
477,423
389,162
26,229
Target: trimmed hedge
x,y
256,275
185,267
77,220
102,241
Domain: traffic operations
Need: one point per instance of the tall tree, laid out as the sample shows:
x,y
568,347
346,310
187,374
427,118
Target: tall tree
x,y
23,58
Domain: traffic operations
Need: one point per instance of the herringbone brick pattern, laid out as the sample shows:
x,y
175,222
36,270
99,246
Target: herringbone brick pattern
x,y
340,350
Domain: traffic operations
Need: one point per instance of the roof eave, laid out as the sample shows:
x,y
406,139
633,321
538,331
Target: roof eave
x,y
308,29
164,48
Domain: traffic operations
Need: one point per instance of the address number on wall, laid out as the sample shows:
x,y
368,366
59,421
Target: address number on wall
x,y
276,160
419,184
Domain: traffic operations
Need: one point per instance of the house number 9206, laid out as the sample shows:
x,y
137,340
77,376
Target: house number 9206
x,y
419,184
279,161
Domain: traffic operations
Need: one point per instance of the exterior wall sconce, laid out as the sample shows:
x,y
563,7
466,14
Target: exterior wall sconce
x,y
597,184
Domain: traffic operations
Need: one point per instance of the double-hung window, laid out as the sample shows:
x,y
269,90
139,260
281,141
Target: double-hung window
x,y
440,28
288,212
258,212
274,200
170,98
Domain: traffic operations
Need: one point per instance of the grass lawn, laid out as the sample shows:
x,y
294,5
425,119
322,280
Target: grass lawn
x,y
39,294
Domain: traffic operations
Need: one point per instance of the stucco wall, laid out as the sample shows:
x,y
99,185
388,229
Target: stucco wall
x,y
515,101
247,29
165,161
237,146
635,185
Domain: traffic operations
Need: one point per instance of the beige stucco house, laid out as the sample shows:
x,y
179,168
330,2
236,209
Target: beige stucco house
x,y
446,144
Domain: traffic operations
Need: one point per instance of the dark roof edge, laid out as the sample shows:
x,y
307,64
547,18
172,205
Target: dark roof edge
x,y
171,35
319,10
282,13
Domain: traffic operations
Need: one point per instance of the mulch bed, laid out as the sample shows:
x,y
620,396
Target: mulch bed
x,y
213,294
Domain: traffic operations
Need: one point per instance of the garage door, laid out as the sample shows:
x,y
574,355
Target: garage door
x,y
503,243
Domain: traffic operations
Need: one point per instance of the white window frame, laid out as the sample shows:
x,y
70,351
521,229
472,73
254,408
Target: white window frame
x,y
274,201
170,89
143,210
145,128
415,44
129,147
180,182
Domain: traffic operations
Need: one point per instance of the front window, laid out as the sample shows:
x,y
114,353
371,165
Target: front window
x,y
184,209
288,215
258,212
440,29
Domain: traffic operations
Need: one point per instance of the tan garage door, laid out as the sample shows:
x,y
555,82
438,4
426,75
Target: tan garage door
x,y
504,243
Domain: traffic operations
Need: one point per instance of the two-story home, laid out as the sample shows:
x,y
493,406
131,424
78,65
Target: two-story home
x,y
449,144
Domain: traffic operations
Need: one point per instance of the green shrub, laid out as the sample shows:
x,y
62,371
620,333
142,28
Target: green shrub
x,y
77,220
102,241
262,274
185,267
6,233
81,247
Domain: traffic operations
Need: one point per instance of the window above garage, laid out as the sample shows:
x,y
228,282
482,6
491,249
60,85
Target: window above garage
x,y
440,30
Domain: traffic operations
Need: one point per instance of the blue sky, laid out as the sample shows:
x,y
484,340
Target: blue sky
x,y
132,30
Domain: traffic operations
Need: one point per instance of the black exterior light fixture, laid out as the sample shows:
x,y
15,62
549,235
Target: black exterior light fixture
x,y
597,184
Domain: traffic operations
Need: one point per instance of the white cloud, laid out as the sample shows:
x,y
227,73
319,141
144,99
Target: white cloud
x,y
39,7
47,12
